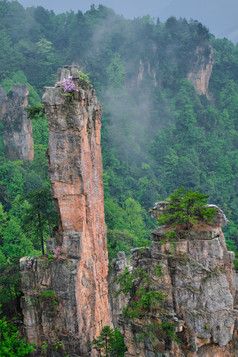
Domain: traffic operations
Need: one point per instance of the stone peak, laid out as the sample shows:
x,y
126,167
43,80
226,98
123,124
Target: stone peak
x,y
20,91
66,71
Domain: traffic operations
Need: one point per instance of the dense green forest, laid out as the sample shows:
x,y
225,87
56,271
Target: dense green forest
x,y
157,133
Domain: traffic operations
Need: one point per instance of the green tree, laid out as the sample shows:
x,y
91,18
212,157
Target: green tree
x,y
3,223
10,285
6,53
10,343
186,209
15,242
41,214
133,218
44,50
109,343
121,240
116,72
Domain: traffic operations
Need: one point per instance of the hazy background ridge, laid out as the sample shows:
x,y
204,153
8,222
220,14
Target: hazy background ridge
x,y
220,16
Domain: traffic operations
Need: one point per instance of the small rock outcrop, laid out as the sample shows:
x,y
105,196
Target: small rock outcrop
x,y
201,70
78,280
199,282
218,220
17,128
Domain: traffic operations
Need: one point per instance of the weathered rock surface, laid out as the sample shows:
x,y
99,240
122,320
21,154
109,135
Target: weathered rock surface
x,y
201,70
17,128
75,171
49,303
118,265
199,280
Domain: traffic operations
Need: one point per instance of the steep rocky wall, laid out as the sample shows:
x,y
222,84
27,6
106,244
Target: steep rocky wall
x,y
201,70
17,128
75,171
145,69
199,280
117,267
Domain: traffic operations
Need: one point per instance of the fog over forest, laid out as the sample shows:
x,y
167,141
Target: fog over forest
x,y
219,16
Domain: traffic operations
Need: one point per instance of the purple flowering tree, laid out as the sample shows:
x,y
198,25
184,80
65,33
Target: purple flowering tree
x,y
55,254
68,85
30,262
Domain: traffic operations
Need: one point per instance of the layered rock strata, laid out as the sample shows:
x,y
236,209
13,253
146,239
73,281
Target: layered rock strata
x,y
75,170
17,128
199,280
201,70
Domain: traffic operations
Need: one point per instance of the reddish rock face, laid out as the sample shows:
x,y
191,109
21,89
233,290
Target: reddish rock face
x,y
75,171
17,132
201,71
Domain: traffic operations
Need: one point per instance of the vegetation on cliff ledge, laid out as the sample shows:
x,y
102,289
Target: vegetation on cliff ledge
x,y
186,209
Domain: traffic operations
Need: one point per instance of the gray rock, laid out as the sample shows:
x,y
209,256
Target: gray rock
x,y
199,281
50,245
220,219
17,128
52,96
158,209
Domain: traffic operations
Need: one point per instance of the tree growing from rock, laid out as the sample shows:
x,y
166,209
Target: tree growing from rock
x,y
186,209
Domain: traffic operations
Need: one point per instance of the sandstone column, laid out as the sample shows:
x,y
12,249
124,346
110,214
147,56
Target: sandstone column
x,y
75,171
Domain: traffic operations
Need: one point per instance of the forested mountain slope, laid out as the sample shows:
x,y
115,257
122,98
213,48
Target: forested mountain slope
x,y
158,131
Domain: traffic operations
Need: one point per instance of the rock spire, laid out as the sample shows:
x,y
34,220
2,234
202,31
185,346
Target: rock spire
x,y
79,279
17,128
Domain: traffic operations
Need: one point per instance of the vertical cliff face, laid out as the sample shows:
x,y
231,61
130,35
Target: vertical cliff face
x,y
17,129
117,267
201,70
145,69
199,280
75,171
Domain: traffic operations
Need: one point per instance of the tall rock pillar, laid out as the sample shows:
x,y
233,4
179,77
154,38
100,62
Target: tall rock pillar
x,y
17,128
75,171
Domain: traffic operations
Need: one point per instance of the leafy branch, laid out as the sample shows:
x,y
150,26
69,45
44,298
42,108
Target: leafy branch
x,y
36,111
84,77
